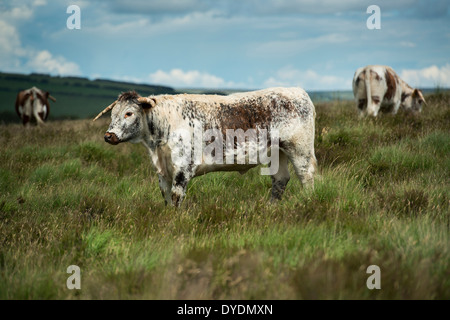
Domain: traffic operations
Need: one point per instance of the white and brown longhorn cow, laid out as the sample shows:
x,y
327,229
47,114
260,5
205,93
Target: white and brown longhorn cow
x,y
33,102
378,88
286,115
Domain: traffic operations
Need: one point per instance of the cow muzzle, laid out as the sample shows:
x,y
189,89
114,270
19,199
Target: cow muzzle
x,y
111,138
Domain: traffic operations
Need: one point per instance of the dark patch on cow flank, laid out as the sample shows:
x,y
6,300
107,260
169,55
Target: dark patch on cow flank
x,y
391,86
247,115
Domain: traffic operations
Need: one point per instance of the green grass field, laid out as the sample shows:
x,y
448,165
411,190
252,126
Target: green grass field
x,y
381,198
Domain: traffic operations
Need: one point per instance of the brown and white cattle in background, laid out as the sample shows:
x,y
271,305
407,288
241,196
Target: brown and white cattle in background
x,y
285,113
378,88
33,102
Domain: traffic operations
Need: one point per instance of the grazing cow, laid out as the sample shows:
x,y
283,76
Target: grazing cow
x,y
163,123
379,88
33,102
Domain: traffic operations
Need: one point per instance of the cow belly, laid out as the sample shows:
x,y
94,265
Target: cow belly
x,y
207,168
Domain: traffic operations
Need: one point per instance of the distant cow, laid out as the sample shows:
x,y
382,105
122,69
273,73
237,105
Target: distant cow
x,y
33,102
284,113
379,88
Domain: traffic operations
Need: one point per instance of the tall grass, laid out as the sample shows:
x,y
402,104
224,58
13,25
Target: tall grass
x,y
381,197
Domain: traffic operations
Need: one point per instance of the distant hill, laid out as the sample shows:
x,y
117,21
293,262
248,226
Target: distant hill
x,y
76,97
79,98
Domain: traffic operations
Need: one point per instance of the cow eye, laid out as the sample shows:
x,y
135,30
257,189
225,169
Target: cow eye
x,y
128,114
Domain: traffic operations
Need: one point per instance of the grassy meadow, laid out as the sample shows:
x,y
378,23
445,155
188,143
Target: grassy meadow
x,y
381,198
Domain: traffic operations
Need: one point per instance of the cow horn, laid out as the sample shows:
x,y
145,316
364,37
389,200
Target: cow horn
x,y
52,98
149,101
106,110
423,98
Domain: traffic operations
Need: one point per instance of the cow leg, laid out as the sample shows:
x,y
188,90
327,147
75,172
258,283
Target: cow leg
x,y
39,120
179,186
281,178
25,120
41,116
304,167
165,186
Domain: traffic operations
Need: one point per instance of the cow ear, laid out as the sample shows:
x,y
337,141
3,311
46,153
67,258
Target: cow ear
x,y
416,93
147,103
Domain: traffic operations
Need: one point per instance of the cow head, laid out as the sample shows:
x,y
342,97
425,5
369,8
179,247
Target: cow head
x,y
413,100
127,118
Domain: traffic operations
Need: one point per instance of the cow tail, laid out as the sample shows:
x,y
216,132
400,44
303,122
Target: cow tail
x,y
35,111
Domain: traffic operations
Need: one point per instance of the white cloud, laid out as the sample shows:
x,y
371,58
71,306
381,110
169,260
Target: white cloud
x,y
407,44
191,79
16,14
43,61
11,49
292,47
18,58
308,80
427,77
38,3
9,40
137,28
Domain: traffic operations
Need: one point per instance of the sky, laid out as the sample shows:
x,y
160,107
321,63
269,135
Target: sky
x,y
228,44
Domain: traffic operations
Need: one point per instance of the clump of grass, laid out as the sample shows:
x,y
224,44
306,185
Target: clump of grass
x,y
7,181
396,161
92,152
408,203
